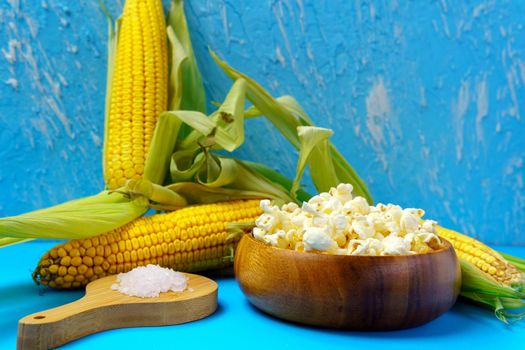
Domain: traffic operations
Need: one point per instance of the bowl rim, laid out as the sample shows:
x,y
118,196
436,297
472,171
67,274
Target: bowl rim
x,y
448,246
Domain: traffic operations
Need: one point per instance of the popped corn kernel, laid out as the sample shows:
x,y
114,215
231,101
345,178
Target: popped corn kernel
x,y
335,222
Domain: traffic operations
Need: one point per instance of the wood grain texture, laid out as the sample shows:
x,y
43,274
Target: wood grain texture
x,y
353,292
103,308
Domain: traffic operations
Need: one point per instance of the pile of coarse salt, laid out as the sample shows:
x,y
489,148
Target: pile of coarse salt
x,y
149,281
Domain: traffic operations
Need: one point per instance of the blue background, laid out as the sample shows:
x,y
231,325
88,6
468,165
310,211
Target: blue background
x,y
426,97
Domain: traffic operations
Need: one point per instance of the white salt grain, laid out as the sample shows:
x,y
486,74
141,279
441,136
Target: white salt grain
x,y
149,281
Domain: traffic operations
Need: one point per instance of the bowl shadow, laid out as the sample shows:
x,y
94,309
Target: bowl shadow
x,y
450,323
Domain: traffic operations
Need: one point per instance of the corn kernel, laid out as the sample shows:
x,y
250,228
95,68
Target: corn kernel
x,y
157,239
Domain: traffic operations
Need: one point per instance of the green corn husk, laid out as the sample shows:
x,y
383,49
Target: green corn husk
x,y
193,160
224,128
7,241
507,302
314,152
224,177
193,96
158,159
276,177
113,31
287,115
514,260
79,218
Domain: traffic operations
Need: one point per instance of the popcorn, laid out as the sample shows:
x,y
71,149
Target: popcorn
x,y
315,238
266,206
267,222
362,227
320,220
393,213
343,192
409,221
278,239
339,221
312,206
335,222
376,219
395,245
299,220
290,207
429,225
369,246
259,233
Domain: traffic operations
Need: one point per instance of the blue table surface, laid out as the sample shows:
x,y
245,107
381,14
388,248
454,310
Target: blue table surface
x,y
238,325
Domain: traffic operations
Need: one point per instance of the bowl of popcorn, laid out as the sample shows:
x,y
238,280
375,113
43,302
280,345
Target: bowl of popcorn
x,y
338,262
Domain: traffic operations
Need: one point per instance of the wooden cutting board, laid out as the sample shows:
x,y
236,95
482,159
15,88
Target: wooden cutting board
x,y
103,308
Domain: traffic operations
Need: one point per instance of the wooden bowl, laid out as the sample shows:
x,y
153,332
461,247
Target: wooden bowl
x,y
352,292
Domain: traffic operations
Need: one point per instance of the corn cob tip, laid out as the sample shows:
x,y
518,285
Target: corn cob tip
x,y
486,259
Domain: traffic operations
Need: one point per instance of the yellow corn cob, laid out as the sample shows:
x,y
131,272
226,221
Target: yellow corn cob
x,y
190,239
139,90
483,257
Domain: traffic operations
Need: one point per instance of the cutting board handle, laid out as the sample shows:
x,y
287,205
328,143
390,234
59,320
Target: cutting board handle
x,y
102,309
55,327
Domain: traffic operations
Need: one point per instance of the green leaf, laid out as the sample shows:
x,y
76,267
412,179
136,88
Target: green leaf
x,y
514,260
237,229
224,173
506,302
289,103
225,126
206,127
505,309
177,56
196,193
81,218
279,116
193,95
286,115
153,192
193,159
185,165
247,179
276,177
474,280
112,52
311,138
161,148
7,241
233,174
226,178
320,162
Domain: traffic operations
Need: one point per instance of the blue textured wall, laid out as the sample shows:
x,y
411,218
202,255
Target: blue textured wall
x,y
426,97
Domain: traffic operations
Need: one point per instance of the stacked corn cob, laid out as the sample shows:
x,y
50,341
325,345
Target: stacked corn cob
x,y
191,239
138,90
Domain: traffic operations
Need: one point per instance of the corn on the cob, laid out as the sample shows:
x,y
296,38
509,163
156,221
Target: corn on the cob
x,y
190,239
139,90
487,260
